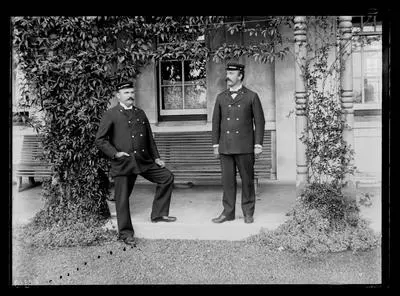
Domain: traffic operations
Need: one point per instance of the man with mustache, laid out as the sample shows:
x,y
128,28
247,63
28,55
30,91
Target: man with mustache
x,y
125,136
236,142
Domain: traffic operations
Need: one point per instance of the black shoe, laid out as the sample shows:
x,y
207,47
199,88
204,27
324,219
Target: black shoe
x,y
248,219
130,240
222,218
163,219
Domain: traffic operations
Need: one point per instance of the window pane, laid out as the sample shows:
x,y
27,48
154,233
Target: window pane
x,y
372,63
195,96
357,90
368,28
195,92
356,56
171,72
195,70
371,90
172,97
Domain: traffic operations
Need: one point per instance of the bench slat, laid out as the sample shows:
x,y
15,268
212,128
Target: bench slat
x,y
189,155
31,162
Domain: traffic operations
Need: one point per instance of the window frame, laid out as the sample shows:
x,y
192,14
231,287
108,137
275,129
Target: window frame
x,y
182,111
178,114
367,106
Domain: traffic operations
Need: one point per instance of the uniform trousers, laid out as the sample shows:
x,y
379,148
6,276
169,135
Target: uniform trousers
x,y
162,199
245,165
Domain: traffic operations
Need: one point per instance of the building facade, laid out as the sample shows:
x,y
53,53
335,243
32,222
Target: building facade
x,y
279,87
177,96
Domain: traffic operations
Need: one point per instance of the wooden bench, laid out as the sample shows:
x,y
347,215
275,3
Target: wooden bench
x,y
189,156
31,165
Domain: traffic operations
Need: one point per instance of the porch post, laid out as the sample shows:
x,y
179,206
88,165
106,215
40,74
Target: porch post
x,y
346,86
300,37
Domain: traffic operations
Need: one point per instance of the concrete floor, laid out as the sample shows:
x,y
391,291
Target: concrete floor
x,y
194,208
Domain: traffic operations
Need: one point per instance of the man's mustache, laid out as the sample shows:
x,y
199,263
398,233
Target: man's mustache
x,y
227,79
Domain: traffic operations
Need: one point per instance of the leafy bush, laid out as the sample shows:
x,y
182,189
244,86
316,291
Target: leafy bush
x,y
62,211
322,220
65,223
331,203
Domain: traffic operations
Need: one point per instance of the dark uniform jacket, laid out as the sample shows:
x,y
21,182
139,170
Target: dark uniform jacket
x,y
233,120
127,131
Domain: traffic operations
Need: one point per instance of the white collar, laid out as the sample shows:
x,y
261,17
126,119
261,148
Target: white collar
x,y
237,89
125,107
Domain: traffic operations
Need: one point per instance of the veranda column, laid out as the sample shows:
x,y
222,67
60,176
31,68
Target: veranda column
x,y
346,85
300,37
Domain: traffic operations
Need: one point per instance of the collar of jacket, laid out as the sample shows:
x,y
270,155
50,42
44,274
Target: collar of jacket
x,y
126,107
241,90
120,107
239,95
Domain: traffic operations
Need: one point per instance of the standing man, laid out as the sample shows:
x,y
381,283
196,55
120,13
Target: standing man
x,y
236,142
125,136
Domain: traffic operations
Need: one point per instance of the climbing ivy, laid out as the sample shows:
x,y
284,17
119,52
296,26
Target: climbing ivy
x,y
329,158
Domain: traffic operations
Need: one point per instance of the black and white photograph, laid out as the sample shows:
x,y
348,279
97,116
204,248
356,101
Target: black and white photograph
x,y
199,150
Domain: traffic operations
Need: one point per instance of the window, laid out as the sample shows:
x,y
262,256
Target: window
x,y
367,63
182,89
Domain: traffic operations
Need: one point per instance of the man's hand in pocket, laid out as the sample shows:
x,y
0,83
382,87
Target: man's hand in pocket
x,y
120,154
159,162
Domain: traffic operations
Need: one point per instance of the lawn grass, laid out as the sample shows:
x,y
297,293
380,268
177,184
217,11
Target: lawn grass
x,y
187,262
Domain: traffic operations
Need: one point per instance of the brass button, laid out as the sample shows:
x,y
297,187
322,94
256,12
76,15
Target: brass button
x,y
229,105
239,106
228,118
133,136
134,152
141,135
237,118
143,150
227,132
237,132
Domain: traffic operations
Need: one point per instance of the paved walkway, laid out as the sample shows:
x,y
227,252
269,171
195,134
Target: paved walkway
x,y
195,207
